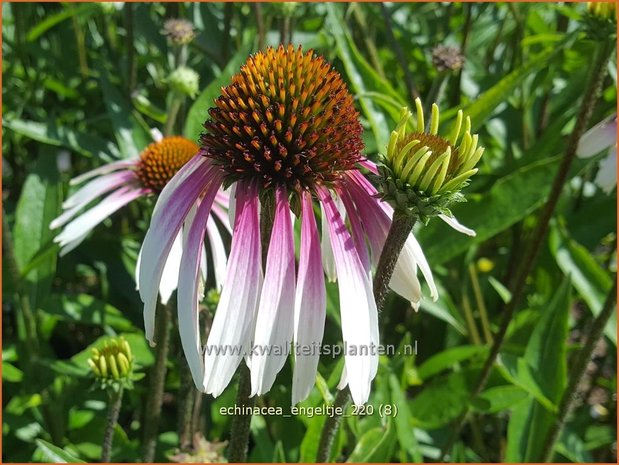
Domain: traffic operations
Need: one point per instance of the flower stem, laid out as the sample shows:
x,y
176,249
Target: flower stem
x,y
152,414
239,431
175,106
186,396
591,94
401,227
116,399
21,296
331,426
578,371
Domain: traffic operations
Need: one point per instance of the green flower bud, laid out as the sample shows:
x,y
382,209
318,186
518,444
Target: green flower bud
x,y
423,171
184,80
601,20
112,363
603,10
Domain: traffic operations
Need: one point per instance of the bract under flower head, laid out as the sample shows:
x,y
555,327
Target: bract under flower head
x,y
287,119
424,171
162,159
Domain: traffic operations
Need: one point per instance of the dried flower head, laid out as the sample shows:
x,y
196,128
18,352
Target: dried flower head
x,y
447,58
161,160
424,171
180,31
287,119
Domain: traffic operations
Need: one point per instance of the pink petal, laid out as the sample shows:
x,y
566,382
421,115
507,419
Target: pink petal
x,y
188,287
232,328
275,319
169,213
310,305
357,306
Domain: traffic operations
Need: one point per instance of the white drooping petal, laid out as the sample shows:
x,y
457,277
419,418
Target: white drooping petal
x,y
169,276
189,285
358,233
172,207
598,138
326,250
218,252
83,224
606,177
455,224
275,318
413,248
404,279
232,204
108,168
310,305
156,134
357,307
231,332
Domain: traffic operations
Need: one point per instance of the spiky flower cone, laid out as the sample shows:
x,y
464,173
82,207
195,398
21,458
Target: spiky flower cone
x,y
288,119
423,171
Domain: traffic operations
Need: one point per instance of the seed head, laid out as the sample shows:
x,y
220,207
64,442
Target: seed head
x,y
180,31
423,171
446,58
160,161
288,119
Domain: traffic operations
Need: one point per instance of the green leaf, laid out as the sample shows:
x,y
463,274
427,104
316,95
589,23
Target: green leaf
x,y
546,358
588,278
38,205
403,424
375,445
483,106
55,454
442,400
447,358
499,398
50,21
50,133
11,373
198,113
509,200
130,135
86,309
349,56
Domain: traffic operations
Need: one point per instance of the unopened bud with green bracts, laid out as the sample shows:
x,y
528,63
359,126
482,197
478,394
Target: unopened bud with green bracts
x,y
423,171
184,81
113,363
601,21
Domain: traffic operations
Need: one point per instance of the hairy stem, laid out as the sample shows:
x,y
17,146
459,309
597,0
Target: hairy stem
x,y
401,227
152,414
185,404
331,426
113,411
239,431
591,94
578,371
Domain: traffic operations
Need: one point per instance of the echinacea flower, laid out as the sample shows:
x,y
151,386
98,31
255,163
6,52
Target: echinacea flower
x,y
114,185
285,136
602,136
